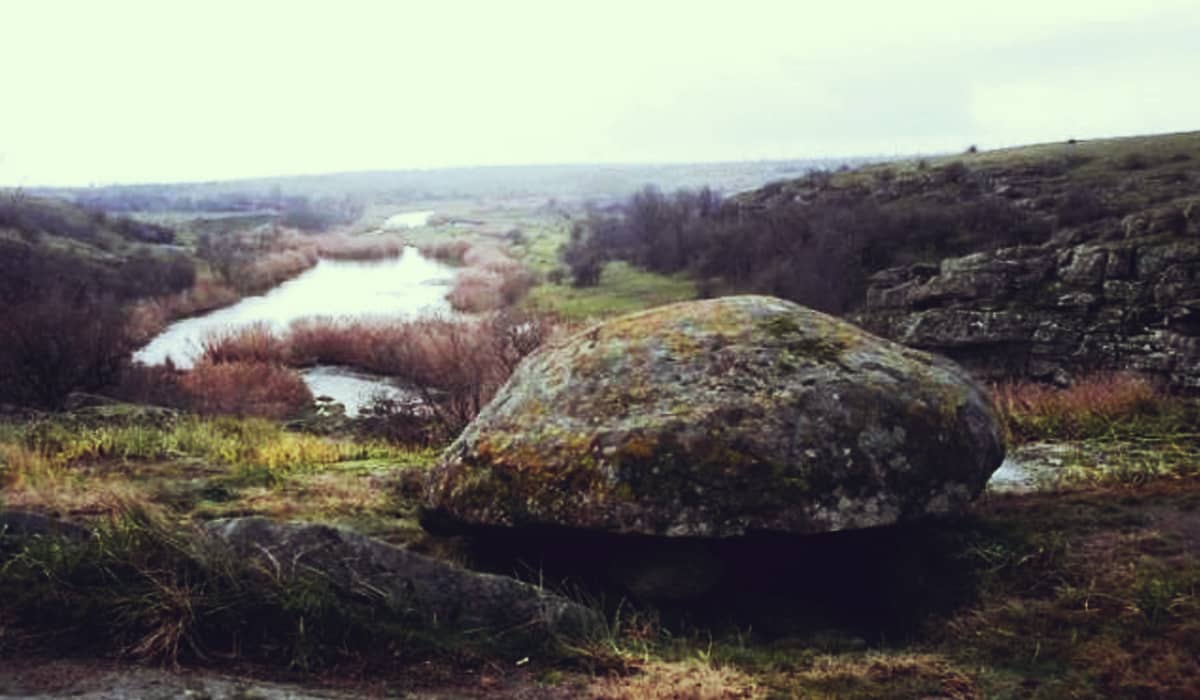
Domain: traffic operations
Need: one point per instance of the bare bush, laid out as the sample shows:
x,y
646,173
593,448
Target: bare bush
x,y
58,344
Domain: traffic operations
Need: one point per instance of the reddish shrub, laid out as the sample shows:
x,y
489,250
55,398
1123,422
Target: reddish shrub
x,y
457,365
246,389
59,344
158,385
253,343
447,251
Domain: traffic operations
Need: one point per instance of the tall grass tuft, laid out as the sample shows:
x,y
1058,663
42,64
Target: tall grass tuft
x,y
1098,405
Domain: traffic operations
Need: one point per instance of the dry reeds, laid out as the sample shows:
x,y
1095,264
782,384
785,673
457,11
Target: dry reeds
x,y
1093,406
458,364
491,280
246,388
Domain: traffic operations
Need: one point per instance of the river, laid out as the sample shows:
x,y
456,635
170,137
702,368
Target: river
x,y
398,288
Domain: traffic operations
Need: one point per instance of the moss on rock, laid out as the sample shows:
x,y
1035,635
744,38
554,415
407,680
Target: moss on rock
x,y
719,417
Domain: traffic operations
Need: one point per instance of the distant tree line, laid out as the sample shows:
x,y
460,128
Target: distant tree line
x,y
816,250
307,213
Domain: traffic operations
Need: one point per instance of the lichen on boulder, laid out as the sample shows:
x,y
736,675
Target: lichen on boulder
x,y
719,418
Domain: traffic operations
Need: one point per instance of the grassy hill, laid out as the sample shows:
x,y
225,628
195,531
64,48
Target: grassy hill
x,y
48,243
817,239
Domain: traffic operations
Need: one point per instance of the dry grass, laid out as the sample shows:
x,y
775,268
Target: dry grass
x,y
373,247
1094,406
253,343
491,278
691,680
148,318
458,364
273,268
33,479
452,251
246,388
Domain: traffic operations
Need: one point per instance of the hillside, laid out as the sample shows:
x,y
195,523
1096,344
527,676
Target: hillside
x,y
1043,261
1115,286
47,243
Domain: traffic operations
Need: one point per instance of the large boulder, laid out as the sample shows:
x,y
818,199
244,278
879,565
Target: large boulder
x,y
716,419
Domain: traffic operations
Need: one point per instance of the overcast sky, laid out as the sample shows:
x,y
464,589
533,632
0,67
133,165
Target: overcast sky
x,y
102,91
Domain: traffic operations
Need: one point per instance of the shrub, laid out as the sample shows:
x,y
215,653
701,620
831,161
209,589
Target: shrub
x,y
1080,205
955,172
149,317
446,251
374,247
157,385
246,388
59,344
1134,160
456,365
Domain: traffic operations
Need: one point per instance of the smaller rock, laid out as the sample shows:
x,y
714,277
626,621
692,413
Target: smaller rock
x,y
23,524
440,594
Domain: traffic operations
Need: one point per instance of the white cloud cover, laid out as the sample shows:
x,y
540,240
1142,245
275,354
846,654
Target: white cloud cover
x,y
125,91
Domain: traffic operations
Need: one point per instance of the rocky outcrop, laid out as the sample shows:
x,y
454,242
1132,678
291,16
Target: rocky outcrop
x,y
436,593
720,418
1056,310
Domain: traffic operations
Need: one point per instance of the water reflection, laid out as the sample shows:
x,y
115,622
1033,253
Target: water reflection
x,y
403,287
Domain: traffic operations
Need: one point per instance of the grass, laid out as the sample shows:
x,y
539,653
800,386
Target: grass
x,y
1098,406
1089,592
622,289
200,468
166,593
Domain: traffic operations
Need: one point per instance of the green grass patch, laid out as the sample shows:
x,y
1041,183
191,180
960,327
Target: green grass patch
x,y
622,289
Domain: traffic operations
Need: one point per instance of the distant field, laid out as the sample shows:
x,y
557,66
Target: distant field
x,y
622,289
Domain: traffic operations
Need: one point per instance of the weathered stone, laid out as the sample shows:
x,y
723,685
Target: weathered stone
x,y
22,524
715,419
440,594
1087,313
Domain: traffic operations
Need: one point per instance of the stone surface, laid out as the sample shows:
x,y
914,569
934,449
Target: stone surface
x,y
719,418
21,524
440,594
1054,311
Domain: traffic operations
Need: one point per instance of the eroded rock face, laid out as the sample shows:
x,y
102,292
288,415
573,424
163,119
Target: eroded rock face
x,y
1057,310
718,418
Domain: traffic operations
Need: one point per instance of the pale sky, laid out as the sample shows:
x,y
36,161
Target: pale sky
x,y
104,91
